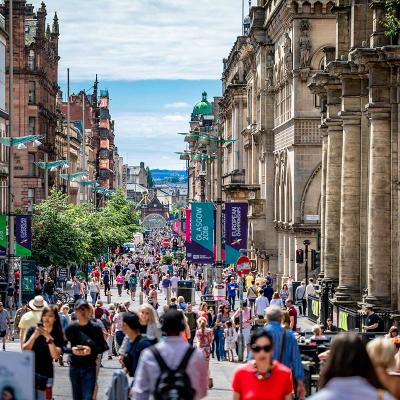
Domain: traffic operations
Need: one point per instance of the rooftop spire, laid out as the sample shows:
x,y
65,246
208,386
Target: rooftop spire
x,y
204,96
56,26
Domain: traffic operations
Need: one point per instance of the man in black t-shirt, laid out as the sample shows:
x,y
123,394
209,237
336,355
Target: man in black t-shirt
x,y
373,323
87,342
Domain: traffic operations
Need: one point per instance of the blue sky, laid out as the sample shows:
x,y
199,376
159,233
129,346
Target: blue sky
x,y
154,56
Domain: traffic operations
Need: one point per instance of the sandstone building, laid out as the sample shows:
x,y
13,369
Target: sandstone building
x,y
35,86
359,101
275,161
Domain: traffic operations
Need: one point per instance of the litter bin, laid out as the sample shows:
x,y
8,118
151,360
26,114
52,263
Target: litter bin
x,y
209,299
186,290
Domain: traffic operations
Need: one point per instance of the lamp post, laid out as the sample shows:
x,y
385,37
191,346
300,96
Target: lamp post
x,y
50,166
10,152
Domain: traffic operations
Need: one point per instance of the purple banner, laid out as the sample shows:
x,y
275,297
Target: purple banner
x,y
23,235
235,231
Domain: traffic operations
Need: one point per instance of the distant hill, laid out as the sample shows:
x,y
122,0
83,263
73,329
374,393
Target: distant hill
x,y
168,175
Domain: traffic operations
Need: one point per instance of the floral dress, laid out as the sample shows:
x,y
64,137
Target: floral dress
x,y
204,340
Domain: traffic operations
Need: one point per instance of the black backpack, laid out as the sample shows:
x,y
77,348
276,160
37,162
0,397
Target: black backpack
x,y
173,384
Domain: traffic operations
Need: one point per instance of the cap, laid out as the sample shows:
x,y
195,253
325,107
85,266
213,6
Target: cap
x,y
81,303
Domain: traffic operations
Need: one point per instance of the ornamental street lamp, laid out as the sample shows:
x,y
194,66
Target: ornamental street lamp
x,y
50,166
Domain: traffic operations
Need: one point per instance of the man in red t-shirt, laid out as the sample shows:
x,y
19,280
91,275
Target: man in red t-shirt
x,y
292,314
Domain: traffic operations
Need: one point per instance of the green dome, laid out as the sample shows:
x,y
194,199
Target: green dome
x,y
203,107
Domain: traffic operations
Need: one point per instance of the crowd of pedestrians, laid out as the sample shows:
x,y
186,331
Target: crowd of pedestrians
x,y
164,343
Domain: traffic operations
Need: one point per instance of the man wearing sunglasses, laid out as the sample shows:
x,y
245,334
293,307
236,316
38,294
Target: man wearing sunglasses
x,y
262,377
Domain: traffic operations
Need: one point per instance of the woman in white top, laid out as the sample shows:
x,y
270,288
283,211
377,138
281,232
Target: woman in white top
x,y
276,300
94,289
348,369
317,333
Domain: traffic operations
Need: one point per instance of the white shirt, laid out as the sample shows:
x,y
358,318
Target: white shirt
x,y
172,350
261,304
174,282
354,387
310,290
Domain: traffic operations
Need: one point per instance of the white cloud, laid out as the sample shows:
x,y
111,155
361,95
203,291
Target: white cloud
x,y
177,104
175,118
150,137
145,39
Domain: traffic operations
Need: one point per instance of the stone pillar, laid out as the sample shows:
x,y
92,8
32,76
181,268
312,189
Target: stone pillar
x,y
286,245
323,197
349,254
333,182
380,188
333,195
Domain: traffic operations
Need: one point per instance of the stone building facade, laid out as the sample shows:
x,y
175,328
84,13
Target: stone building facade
x,y
359,97
3,120
35,85
275,161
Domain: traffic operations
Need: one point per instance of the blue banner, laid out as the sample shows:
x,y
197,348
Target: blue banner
x,y
202,233
23,235
235,231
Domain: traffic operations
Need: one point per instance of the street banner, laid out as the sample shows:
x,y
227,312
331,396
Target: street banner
x,y
28,268
187,224
23,235
175,226
3,235
235,231
202,233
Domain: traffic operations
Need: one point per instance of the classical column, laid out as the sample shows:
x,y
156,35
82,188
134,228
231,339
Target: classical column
x,y
323,128
349,253
333,196
380,187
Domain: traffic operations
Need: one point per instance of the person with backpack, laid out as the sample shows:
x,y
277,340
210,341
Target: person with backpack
x,y
172,369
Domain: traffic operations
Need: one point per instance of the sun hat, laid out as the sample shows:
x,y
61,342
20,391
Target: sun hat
x,y
37,303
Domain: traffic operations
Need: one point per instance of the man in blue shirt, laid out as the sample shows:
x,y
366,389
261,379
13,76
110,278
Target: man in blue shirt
x,y
232,288
286,349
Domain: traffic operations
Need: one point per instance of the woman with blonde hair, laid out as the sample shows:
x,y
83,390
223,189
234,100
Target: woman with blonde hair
x,y
204,337
149,321
285,319
382,353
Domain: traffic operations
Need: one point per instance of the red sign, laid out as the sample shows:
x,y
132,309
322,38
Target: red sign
x,y
166,242
243,266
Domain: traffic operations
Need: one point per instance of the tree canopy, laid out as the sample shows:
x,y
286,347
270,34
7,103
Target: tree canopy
x,y
65,234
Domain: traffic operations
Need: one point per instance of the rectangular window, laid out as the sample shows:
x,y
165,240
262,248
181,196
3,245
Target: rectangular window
x,y
32,126
31,164
31,199
31,92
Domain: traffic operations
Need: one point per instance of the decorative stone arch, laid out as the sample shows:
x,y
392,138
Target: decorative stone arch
x,y
310,201
154,221
317,56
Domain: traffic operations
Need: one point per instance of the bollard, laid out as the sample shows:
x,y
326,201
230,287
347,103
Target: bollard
x,y
140,298
109,297
193,290
168,295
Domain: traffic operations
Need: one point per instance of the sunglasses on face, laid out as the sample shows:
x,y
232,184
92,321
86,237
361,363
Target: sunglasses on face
x,y
256,349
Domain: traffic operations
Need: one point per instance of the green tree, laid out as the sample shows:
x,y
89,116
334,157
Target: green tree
x,y
65,234
58,236
392,21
